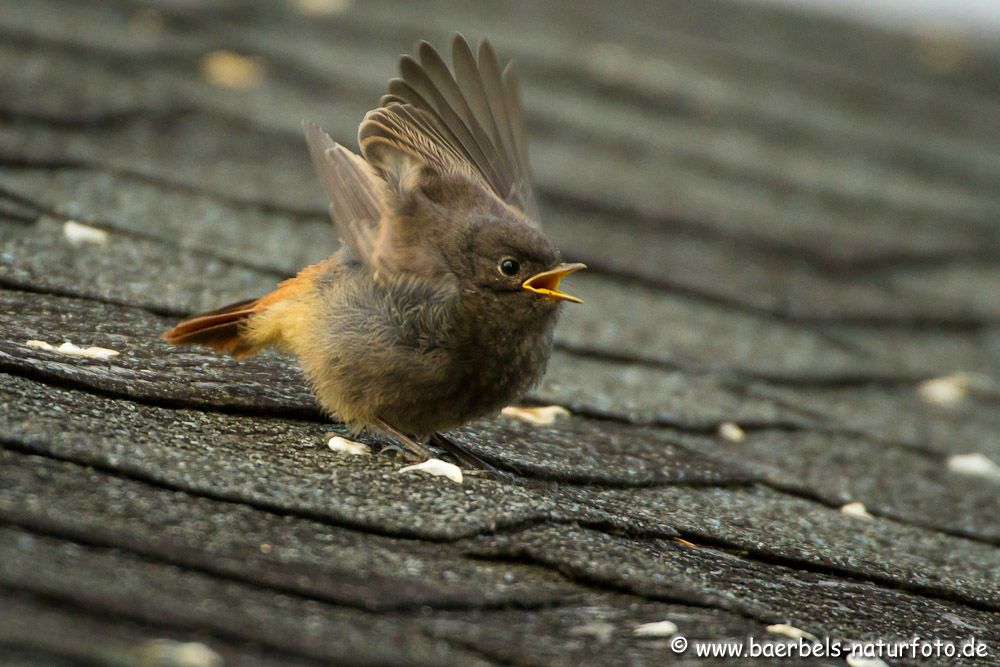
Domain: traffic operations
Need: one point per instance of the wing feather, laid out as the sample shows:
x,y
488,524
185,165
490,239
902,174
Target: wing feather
x,y
403,129
523,191
355,191
475,111
465,122
456,106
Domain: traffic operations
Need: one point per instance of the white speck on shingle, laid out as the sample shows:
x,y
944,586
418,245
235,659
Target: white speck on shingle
x,y
228,69
856,509
859,661
322,7
656,629
732,432
339,444
974,464
949,389
790,631
74,350
178,654
89,352
946,390
437,467
540,416
78,234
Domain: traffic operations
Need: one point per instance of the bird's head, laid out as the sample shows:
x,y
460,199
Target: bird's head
x,y
448,222
514,262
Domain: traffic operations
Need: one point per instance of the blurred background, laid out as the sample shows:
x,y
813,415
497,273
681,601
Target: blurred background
x,y
979,18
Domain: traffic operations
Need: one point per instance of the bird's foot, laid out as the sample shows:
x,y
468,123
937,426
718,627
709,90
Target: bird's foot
x,y
338,443
409,447
390,447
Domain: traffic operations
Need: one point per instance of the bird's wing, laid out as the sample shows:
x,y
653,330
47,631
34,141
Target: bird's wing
x,y
466,122
356,192
360,203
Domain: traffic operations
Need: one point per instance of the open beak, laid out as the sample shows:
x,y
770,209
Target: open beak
x,y
546,283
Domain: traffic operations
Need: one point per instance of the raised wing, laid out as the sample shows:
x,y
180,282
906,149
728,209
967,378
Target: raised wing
x,y
356,192
466,125
360,206
466,122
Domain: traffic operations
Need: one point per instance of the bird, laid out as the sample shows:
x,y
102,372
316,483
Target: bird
x,y
440,304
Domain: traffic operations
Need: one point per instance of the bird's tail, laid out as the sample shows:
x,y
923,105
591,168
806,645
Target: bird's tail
x,y
223,330
230,329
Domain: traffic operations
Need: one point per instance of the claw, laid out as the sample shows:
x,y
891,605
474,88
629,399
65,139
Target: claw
x,y
392,448
412,449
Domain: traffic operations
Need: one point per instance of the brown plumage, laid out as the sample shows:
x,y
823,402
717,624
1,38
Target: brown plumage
x,y
440,305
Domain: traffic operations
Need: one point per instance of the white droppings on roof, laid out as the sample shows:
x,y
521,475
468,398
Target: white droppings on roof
x,y
541,416
790,631
78,234
856,509
228,69
179,654
949,389
339,444
974,464
321,7
656,629
946,390
74,350
732,432
437,467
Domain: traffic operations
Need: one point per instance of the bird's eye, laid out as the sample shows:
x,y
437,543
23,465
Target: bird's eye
x,y
509,266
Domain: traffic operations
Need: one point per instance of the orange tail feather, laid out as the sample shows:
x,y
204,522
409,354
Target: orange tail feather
x,y
224,330
218,329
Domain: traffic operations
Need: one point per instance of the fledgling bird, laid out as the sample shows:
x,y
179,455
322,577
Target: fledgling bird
x,y
440,305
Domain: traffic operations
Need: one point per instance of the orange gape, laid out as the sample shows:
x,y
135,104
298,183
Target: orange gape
x,y
226,329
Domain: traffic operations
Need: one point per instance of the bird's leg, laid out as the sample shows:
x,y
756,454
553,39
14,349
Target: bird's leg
x,y
410,447
463,454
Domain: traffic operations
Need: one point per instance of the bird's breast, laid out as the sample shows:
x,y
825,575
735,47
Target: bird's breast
x,y
421,358
500,362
